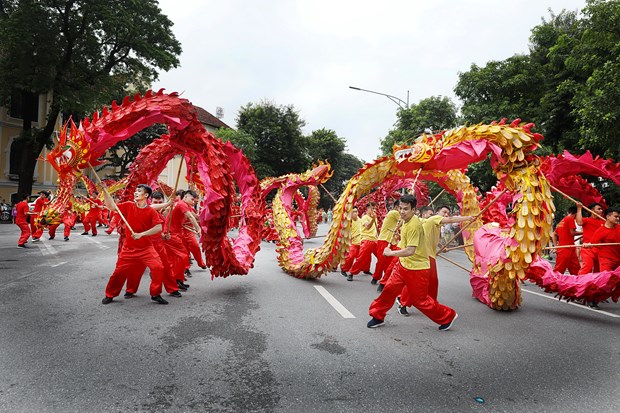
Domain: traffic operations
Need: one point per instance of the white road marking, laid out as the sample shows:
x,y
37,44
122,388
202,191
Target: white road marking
x,y
575,304
99,243
59,264
334,303
49,250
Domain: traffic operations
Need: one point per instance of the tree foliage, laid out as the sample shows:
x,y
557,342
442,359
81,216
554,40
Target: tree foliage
x,y
434,113
241,140
85,52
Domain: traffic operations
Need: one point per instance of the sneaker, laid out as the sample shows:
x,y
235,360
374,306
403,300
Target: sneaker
x,y
35,240
373,282
188,273
94,235
21,246
107,300
84,233
374,323
175,294
398,302
380,288
66,238
182,287
159,300
594,305
402,310
129,295
344,273
367,273
445,327
204,267
51,238
99,226
350,277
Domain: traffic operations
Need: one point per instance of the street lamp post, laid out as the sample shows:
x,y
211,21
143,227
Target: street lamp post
x,y
394,99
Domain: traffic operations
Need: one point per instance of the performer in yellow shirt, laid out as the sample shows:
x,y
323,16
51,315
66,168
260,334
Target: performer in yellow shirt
x,y
369,241
356,240
413,271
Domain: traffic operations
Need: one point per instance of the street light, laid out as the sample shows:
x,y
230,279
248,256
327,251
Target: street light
x,y
394,99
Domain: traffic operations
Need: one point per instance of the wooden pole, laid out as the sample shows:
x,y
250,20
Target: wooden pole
x,y
604,244
437,197
576,202
330,194
459,247
415,180
453,262
112,199
470,222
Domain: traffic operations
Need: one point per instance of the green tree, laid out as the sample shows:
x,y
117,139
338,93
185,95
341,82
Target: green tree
x,y
434,113
280,144
241,140
84,52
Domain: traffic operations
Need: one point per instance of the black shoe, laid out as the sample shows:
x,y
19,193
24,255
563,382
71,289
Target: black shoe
x,y
344,273
175,294
402,310
445,327
21,246
94,235
204,267
594,305
51,238
107,300
159,300
398,302
72,228
35,239
350,277
380,288
66,238
188,272
373,282
182,287
84,233
99,225
129,295
374,323
367,273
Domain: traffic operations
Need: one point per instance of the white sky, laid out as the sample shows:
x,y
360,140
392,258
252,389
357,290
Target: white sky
x,y
308,52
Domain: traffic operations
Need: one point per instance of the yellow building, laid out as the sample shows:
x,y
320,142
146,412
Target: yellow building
x,y
45,177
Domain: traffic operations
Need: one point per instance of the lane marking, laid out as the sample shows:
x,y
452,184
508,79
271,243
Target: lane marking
x,y
49,250
99,243
575,304
59,264
333,302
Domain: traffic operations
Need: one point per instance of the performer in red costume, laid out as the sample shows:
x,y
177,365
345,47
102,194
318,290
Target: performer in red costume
x,y
176,249
608,255
413,271
589,260
565,235
369,241
137,252
354,249
39,205
21,222
386,234
96,206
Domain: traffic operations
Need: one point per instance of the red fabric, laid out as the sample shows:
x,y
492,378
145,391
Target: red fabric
x,y
417,282
96,205
390,268
590,225
364,258
433,285
131,264
609,256
566,259
36,231
22,212
589,261
382,260
191,244
178,216
140,220
25,228
351,255
178,256
133,282
563,231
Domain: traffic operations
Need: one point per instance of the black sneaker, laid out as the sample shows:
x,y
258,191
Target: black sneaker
x,y
84,233
51,238
159,300
66,238
22,246
350,277
175,294
367,273
344,273
129,295
374,323
35,240
204,267
182,287
373,282
188,273
594,305
94,235
445,327
380,288
398,302
402,310
107,300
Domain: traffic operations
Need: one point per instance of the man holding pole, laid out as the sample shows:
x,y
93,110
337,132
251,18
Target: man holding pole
x,y
564,234
137,252
589,260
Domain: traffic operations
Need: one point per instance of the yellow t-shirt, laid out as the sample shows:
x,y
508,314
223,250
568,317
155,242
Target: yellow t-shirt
x,y
432,232
371,233
389,225
356,232
412,235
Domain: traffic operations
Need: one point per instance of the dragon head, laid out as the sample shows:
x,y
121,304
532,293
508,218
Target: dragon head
x,y
71,153
422,151
322,172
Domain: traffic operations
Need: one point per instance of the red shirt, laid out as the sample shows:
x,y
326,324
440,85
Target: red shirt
x,y
563,231
178,216
22,212
140,220
590,225
39,204
94,207
605,235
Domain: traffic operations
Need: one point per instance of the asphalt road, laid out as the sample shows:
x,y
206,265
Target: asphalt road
x,y
268,342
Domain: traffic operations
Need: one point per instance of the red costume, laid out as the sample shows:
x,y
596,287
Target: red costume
x,y
20,221
39,204
136,255
177,252
609,255
566,257
96,206
589,260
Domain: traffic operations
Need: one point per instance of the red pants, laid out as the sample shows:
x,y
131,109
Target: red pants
x,y
178,256
364,258
132,263
133,282
417,282
25,228
589,261
433,285
609,264
566,258
191,243
91,223
351,255
383,262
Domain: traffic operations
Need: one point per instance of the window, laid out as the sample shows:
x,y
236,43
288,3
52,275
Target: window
x,y
22,101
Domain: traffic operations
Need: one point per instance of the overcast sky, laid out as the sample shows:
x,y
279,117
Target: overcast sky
x,y
307,53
